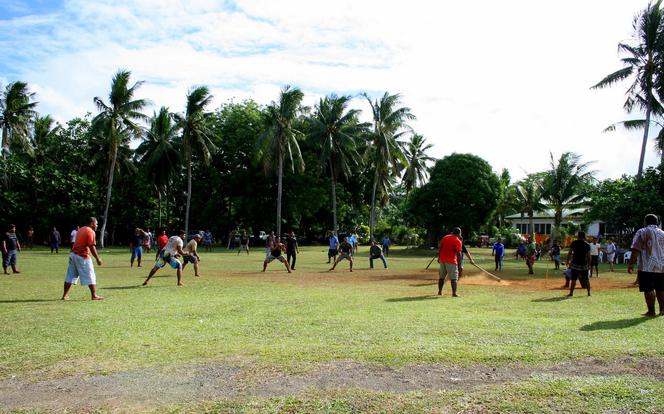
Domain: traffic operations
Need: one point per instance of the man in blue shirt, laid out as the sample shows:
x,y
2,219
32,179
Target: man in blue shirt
x,y
386,246
498,252
334,245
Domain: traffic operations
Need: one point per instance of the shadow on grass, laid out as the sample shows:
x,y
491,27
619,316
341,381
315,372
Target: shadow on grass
x,y
31,300
619,324
122,287
412,298
424,284
553,299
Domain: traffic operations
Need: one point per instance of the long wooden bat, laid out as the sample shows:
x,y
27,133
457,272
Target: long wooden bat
x,y
435,257
487,272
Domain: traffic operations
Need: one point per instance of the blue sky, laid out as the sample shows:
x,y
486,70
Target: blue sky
x,y
508,81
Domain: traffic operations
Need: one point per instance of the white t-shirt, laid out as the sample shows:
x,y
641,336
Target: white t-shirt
x,y
172,245
594,249
72,236
610,248
650,242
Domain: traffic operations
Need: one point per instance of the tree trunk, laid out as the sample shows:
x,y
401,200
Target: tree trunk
x,y
372,215
531,226
186,220
334,199
280,174
5,144
643,145
109,189
159,203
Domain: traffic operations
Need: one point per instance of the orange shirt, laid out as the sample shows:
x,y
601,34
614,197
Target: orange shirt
x,y
84,238
450,246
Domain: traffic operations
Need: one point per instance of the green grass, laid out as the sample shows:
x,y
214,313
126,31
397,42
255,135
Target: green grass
x,y
234,312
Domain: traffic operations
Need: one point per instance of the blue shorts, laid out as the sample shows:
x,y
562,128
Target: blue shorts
x,y
166,258
136,252
9,258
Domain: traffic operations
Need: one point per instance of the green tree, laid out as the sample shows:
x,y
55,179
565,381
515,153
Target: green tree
x,y
159,154
337,131
16,112
528,195
506,196
644,63
385,153
195,135
44,133
462,191
280,139
116,124
565,184
417,170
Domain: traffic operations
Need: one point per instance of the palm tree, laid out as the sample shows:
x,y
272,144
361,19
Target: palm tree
x,y
16,112
564,185
280,139
337,131
506,197
195,135
385,152
528,196
116,124
644,63
158,152
43,132
417,171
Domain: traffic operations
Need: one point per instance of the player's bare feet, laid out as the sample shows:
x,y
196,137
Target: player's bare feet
x,y
455,295
97,297
145,283
180,284
351,270
65,297
16,271
649,314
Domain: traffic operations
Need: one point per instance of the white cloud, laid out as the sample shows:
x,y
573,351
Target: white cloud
x,y
508,81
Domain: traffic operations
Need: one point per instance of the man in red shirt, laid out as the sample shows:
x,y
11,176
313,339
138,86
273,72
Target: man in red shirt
x,y
449,257
162,240
80,264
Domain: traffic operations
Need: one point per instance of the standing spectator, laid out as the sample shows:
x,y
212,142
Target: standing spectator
x,y
375,252
334,245
449,258
54,240
29,237
352,241
594,257
208,240
555,254
10,246
292,249
578,259
356,237
648,248
162,241
72,236
498,252
80,264
531,251
244,242
610,254
136,246
148,240
386,245
521,250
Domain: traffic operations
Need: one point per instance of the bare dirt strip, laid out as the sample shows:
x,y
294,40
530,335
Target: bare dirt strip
x,y
144,389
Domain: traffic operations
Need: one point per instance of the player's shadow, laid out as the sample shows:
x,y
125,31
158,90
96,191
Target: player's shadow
x,y
617,324
423,284
553,299
412,298
30,301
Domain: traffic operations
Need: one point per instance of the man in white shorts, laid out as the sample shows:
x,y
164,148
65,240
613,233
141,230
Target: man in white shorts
x,y
276,254
168,255
610,253
80,264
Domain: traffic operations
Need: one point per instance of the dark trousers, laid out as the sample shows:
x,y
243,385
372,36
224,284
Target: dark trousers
x,y
290,255
386,250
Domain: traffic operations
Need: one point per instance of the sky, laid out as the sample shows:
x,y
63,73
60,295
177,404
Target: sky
x,y
507,80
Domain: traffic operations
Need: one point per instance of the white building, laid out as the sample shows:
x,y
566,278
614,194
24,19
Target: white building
x,y
543,222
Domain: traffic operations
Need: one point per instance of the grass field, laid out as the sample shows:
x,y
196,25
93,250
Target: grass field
x,y
238,340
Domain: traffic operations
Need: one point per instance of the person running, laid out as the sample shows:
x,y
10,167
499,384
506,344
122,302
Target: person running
x,y
578,259
449,258
555,254
498,252
80,265
191,253
169,255
386,245
276,254
244,242
10,247
594,257
610,251
648,248
292,249
136,246
334,246
208,240
375,252
54,240
345,253
162,240
531,251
